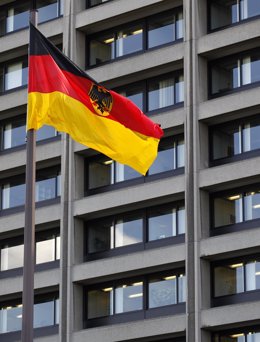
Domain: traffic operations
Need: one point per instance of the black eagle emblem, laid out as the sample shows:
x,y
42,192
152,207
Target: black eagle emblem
x,y
101,99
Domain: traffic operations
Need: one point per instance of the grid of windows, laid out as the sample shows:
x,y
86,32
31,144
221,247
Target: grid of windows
x,y
226,13
234,73
149,33
135,295
135,229
15,16
46,313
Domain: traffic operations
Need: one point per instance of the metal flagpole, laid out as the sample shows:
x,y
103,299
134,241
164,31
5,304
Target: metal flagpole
x,y
29,228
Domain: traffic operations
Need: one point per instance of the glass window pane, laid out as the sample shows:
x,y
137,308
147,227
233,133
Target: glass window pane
x,y
252,337
180,154
181,220
226,141
45,189
102,49
124,172
100,236
43,314
252,205
160,94
223,13
17,17
164,161
228,279
11,257
14,134
182,288
251,135
45,250
252,276
13,76
47,10
179,87
237,337
162,224
128,231
228,210
10,318
249,8
45,132
13,195
57,247
129,41
100,303
129,297
100,173
162,291
97,2
225,76
161,31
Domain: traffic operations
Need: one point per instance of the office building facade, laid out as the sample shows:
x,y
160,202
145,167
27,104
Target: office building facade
x,y
172,256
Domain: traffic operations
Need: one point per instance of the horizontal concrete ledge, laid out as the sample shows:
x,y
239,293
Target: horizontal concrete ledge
x,y
152,259
233,173
230,314
43,279
48,213
135,67
228,103
228,38
130,196
134,330
227,245
14,99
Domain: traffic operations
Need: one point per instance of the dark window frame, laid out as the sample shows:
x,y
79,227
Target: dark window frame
x,y
235,57
88,4
233,158
246,295
234,331
5,8
145,244
240,22
171,309
134,181
247,224
115,30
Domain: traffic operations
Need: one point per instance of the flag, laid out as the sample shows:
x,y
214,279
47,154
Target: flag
x,y
61,95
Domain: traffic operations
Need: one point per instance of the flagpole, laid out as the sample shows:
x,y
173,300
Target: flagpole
x,y
29,227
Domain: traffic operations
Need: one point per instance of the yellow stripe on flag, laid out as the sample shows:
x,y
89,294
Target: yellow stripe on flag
x,y
102,134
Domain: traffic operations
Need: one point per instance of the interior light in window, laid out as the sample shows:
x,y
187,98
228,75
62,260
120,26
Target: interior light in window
x,y
108,162
137,31
135,295
233,198
257,273
19,316
256,206
236,265
236,335
138,284
109,40
108,289
170,277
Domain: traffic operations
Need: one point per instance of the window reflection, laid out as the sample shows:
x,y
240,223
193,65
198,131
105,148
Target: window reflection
x,y
236,277
236,208
224,13
129,297
234,72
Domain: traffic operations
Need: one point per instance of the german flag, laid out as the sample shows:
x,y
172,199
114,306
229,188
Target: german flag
x,y
65,97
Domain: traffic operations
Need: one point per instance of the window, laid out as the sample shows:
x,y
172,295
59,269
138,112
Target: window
x,y
102,171
13,75
13,133
226,13
229,141
149,33
132,229
236,277
46,313
234,73
15,16
91,3
156,93
47,187
141,295
241,335
47,250
236,207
